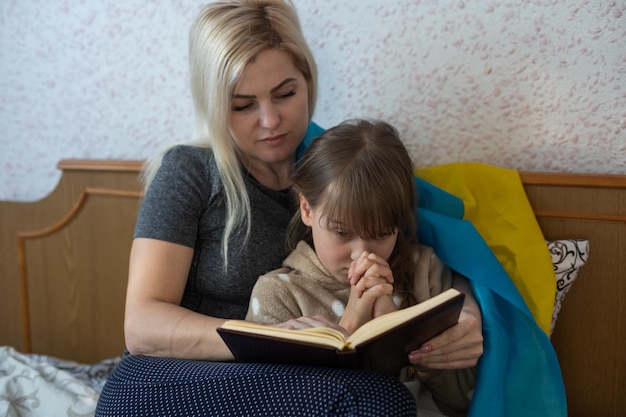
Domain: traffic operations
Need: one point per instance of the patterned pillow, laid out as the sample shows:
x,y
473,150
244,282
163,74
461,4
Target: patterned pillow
x,y
568,256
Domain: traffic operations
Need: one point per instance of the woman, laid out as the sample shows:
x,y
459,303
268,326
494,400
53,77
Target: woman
x,y
214,218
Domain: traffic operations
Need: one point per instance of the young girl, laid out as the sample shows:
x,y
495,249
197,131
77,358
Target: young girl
x,y
355,255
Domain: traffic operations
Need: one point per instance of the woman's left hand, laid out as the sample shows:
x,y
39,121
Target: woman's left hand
x,y
456,348
461,345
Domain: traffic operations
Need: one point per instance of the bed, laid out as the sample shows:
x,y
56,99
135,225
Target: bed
x,y
64,260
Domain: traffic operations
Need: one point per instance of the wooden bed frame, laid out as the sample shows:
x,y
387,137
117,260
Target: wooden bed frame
x,y
64,261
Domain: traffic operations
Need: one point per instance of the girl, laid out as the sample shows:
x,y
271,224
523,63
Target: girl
x,y
355,255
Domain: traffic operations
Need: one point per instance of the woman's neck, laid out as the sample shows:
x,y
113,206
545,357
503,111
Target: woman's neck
x,y
273,176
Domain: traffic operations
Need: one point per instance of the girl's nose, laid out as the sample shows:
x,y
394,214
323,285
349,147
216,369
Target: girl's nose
x,y
359,246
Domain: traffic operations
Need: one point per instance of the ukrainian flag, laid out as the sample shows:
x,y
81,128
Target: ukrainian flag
x,y
479,221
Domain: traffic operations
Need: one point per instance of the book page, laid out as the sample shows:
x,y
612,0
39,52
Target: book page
x,y
385,322
318,335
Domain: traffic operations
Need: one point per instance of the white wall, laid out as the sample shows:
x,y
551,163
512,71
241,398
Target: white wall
x,y
525,84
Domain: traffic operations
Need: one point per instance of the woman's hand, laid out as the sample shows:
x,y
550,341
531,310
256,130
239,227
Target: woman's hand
x,y
461,345
456,348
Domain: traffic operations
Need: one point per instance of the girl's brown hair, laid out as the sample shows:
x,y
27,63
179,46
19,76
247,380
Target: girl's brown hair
x,y
360,174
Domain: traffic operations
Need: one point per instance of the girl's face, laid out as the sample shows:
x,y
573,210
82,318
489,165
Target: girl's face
x,y
269,110
337,246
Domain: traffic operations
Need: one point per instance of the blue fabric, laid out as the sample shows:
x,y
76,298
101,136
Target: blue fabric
x,y
434,197
518,374
312,131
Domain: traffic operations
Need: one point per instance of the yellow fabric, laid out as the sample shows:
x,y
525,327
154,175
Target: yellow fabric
x,y
496,204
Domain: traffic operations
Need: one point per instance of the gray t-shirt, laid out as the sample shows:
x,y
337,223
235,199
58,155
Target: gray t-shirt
x,y
185,204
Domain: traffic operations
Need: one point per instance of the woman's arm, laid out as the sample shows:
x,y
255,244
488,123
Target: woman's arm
x,y
154,322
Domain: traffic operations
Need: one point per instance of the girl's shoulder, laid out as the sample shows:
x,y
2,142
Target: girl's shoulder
x,y
424,254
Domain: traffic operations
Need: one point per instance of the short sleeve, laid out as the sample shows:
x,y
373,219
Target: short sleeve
x,y
184,185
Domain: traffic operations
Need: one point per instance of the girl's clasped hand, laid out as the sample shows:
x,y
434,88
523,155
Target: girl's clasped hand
x,y
371,281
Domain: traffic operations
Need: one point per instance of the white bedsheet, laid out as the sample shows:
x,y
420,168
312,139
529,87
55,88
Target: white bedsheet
x,y
38,385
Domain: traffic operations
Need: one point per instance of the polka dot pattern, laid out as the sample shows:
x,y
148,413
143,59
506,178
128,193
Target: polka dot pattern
x,y
255,305
338,308
149,386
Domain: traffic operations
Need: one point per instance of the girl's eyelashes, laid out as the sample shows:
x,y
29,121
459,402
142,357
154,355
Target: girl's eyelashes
x,y
384,235
346,234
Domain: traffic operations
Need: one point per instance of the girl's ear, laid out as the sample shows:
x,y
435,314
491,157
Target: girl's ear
x,y
305,211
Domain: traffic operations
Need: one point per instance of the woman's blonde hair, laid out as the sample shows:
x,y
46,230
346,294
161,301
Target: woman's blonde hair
x,y
360,174
226,36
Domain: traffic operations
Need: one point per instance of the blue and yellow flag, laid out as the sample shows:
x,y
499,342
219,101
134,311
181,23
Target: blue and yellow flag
x,y
494,201
518,374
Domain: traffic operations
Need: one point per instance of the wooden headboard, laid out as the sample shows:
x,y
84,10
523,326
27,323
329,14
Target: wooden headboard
x,y
590,333
64,262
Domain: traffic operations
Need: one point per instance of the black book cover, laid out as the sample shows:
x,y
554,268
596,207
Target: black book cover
x,y
386,352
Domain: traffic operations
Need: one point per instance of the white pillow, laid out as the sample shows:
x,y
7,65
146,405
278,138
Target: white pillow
x,y
568,256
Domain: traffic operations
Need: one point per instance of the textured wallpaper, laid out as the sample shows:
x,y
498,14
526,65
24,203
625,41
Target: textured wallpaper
x,y
527,84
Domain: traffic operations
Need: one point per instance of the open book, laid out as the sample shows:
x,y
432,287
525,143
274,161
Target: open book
x,y
382,344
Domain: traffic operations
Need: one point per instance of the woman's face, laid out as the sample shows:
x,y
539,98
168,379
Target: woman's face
x,y
269,110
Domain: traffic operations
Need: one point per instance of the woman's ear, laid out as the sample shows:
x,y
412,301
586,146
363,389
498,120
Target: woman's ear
x,y
305,211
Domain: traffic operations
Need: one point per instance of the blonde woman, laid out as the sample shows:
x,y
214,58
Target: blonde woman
x,y
213,219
